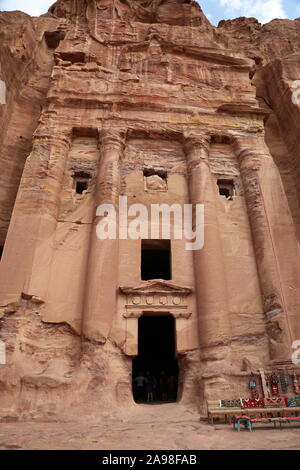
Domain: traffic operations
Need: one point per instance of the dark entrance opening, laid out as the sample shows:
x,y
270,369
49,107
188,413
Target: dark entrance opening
x,y
53,38
81,181
155,369
226,188
81,186
156,260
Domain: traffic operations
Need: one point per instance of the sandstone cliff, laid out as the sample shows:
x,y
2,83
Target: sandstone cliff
x,y
144,84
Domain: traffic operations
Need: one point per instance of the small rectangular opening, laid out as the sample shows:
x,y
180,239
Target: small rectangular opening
x,y
81,182
85,132
81,186
1,251
226,188
156,260
156,179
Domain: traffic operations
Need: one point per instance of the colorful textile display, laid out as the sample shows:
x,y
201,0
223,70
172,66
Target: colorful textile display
x,y
252,383
285,381
294,402
274,390
274,381
296,384
275,402
252,403
253,387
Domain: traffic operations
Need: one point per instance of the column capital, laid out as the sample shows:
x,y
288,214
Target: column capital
x,y
52,136
255,142
196,150
250,150
197,143
112,138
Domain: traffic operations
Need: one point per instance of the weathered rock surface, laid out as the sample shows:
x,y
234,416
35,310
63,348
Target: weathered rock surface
x,y
97,92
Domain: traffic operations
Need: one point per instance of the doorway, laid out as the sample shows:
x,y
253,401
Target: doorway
x,y
155,369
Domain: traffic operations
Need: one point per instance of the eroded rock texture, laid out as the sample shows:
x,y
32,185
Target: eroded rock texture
x,y
145,99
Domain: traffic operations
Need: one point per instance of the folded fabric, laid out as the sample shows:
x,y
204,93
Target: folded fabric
x,y
294,402
252,403
275,402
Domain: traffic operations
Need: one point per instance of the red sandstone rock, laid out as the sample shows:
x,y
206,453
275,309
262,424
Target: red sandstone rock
x,y
97,92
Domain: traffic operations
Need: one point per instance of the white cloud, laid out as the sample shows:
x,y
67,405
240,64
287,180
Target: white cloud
x,y
263,10
32,7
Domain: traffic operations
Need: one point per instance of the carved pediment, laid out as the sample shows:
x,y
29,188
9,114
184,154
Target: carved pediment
x,y
156,287
155,297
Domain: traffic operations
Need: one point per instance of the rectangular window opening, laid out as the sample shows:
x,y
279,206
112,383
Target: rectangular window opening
x,y
226,188
81,182
81,186
156,260
156,179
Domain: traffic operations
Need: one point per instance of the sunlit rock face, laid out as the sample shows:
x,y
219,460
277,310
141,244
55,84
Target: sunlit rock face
x,y
145,99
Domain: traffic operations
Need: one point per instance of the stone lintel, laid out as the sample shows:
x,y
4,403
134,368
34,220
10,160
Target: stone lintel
x,y
138,314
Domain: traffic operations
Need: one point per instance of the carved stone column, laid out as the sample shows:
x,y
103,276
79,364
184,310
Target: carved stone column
x,y
103,262
30,240
212,296
275,242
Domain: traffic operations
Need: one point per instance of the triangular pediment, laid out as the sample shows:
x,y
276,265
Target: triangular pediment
x,y
156,287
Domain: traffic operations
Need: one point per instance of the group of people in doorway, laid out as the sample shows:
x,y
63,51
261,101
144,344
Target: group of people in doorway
x,y
155,387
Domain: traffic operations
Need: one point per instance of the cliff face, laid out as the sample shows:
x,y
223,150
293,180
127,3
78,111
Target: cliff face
x,y
275,48
26,65
145,99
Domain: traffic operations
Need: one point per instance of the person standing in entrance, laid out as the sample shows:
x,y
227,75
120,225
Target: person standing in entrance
x,y
139,387
163,385
150,386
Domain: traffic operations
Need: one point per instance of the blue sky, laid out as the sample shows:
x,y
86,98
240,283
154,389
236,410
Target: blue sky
x,y
216,10
263,10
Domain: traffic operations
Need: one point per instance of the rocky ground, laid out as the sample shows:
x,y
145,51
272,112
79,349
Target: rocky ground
x,y
167,426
